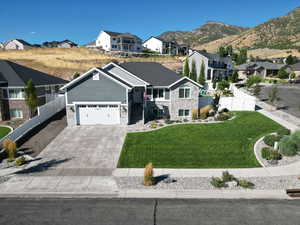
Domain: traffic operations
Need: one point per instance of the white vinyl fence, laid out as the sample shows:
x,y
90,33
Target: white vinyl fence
x,y
44,113
240,102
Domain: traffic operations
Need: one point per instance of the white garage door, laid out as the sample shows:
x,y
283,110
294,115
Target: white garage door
x,y
98,114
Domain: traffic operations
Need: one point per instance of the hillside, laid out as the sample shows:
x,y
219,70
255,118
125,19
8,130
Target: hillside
x,y
210,31
279,33
65,62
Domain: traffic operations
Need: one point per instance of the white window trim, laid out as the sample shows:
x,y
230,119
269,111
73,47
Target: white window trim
x,y
184,92
21,117
158,99
7,92
184,116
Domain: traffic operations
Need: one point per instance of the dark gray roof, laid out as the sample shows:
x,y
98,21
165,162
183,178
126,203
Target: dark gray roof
x,y
17,75
215,57
112,33
153,73
296,67
257,65
23,42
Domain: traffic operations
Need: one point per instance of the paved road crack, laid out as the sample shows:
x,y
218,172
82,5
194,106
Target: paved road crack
x,y
154,212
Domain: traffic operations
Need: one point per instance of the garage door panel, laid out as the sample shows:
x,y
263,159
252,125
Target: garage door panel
x,y
98,114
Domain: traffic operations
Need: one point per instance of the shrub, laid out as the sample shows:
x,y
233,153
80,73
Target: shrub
x,y
12,151
227,177
283,131
287,146
20,161
296,139
148,175
222,85
205,109
217,182
265,153
153,125
253,80
203,116
271,139
275,155
169,121
5,144
245,184
223,116
194,114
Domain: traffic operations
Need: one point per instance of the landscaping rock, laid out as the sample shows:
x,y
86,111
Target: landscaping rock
x,y
232,184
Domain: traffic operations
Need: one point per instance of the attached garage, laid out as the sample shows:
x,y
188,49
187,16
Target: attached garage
x,y
91,114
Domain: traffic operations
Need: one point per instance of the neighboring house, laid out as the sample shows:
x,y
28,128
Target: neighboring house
x,y
13,79
91,45
130,93
216,67
113,41
295,68
17,44
162,46
262,69
1,45
66,44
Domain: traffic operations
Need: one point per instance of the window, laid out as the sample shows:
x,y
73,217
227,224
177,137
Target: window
x,y
184,92
16,114
183,112
16,93
114,46
156,94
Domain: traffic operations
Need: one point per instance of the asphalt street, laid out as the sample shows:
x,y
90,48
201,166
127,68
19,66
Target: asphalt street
x,y
148,212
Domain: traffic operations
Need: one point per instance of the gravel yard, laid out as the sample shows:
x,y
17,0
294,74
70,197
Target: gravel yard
x,y
203,183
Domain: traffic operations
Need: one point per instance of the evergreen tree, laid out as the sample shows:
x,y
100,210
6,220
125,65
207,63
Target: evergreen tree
x,y
222,51
31,98
242,56
186,68
290,60
201,79
193,74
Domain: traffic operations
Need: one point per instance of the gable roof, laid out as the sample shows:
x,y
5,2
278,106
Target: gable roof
x,y
160,39
212,56
100,70
16,75
111,33
153,73
257,65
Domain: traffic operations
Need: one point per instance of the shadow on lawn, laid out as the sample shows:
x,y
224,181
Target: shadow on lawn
x,y
42,166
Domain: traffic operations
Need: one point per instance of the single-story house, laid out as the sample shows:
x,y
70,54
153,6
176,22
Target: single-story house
x,y
295,68
66,44
130,93
17,44
262,69
13,79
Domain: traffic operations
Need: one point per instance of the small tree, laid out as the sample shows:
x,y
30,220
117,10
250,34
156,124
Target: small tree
x,y
214,84
222,51
12,151
282,74
290,60
31,98
273,95
253,80
186,68
222,85
201,79
193,74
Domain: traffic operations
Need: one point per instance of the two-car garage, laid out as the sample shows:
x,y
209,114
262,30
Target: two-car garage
x,y
91,114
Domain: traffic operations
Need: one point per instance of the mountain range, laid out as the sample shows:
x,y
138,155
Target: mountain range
x,y
278,33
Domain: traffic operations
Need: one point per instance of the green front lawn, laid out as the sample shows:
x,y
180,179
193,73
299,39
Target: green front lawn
x,y
221,145
4,131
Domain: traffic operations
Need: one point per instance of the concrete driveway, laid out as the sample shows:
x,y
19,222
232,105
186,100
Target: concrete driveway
x,y
80,151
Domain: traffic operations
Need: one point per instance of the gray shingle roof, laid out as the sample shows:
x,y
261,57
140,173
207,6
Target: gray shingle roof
x,y
17,75
296,67
152,72
256,65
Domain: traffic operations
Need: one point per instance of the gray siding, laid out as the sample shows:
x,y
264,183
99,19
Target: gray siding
x,y
90,90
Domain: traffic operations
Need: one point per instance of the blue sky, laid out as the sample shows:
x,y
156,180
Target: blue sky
x,y
37,21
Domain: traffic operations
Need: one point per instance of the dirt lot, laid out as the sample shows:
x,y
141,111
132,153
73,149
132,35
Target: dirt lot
x,y
289,95
36,140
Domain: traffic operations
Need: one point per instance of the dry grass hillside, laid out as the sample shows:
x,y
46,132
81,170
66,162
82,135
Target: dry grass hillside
x,y
65,62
